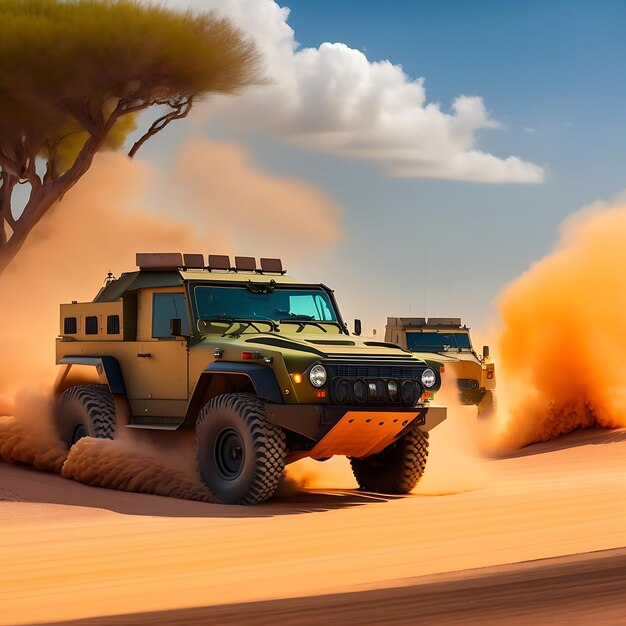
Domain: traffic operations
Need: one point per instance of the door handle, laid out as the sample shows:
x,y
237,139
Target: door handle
x,y
144,355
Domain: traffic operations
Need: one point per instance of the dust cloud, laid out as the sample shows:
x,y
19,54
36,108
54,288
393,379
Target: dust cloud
x,y
455,457
335,473
128,465
97,228
563,344
264,214
28,436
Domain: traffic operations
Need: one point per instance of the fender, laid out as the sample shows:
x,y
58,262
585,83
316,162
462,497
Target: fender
x,y
261,378
107,367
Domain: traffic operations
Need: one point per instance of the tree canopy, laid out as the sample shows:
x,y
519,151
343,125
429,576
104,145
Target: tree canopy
x,y
73,76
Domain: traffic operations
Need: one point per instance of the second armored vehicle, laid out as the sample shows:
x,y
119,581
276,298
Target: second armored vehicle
x,y
447,341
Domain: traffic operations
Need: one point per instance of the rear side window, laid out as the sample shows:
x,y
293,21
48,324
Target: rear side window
x,y
69,326
166,306
91,325
113,325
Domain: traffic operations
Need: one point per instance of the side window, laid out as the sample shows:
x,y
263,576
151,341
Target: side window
x,y
91,325
166,306
113,324
69,326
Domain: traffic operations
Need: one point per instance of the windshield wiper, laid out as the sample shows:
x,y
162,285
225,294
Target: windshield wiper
x,y
303,320
246,323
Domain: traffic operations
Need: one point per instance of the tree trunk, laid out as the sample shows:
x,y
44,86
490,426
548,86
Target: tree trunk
x,y
41,200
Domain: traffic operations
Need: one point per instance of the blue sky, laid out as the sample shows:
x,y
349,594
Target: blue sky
x,y
549,73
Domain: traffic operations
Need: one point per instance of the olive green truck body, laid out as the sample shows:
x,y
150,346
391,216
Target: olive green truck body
x,y
246,355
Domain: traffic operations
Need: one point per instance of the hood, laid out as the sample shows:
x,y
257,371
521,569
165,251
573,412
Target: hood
x,y
449,357
316,345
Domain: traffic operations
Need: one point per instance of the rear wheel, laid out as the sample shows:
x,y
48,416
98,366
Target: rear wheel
x,y
240,456
397,468
85,411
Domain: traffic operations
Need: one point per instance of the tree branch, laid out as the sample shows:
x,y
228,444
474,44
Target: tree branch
x,y
10,166
180,108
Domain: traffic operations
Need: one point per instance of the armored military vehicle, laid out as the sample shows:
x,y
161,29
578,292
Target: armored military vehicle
x,y
447,342
260,365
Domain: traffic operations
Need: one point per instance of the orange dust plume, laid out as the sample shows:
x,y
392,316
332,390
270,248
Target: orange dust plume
x,y
29,436
335,473
98,227
131,466
260,213
455,464
563,343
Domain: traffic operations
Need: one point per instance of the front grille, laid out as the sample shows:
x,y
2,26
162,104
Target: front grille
x,y
375,371
347,382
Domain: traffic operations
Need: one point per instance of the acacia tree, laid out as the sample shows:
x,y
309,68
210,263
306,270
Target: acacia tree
x,y
74,74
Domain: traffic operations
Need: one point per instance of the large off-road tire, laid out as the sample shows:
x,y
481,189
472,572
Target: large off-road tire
x,y
488,405
85,411
240,456
397,468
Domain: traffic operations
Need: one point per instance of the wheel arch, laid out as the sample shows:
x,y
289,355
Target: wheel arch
x,y
221,378
103,370
107,372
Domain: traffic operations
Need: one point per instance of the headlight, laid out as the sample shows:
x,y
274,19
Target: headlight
x,y
429,378
317,376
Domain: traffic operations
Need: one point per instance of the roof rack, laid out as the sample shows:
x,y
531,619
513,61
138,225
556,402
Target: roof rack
x,y
407,322
164,261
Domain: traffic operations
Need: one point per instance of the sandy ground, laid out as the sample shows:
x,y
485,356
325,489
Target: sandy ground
x,y
68,551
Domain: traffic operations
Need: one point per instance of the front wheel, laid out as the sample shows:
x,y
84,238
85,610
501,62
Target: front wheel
x,y
85,411
240,456
397,468
488,405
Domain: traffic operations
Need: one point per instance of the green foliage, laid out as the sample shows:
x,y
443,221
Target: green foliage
x,y
66,65
74,74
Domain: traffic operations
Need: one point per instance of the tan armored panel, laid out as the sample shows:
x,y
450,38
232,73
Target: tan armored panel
x,y
444,321
159,260
219,262
245,263
92,321
272,266
193,261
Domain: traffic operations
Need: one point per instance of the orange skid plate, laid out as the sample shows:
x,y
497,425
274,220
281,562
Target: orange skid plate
x,y
361,433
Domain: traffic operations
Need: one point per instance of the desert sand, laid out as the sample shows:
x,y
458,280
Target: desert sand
x,y
70,551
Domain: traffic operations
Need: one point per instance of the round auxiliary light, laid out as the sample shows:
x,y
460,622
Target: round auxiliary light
x,y
408,392
360,391
342,391
318,376
392,390
429,378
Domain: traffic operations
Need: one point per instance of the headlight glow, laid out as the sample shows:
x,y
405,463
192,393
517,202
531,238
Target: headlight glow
x,y
318,376
429,378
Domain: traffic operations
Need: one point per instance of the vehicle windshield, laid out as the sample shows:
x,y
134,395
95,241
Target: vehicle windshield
x,y
262,302
437,342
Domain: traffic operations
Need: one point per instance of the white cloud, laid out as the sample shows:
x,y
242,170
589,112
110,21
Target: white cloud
x,y
334,100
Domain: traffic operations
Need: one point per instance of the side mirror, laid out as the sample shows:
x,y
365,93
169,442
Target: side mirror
x,y
357,327
485,352
176,327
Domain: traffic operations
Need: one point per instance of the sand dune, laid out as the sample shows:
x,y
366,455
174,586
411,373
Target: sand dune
x,y
70,551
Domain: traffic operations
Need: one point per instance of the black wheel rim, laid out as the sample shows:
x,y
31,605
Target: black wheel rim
x,y
229,454
79,432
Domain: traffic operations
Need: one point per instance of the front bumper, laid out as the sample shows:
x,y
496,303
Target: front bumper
x,y
351,431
